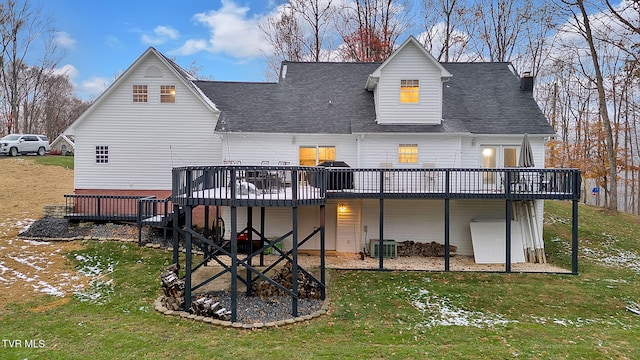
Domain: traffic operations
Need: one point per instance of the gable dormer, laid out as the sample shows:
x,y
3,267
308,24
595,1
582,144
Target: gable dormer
x,y
408,87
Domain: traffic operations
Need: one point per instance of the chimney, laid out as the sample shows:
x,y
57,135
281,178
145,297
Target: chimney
x,y
526,82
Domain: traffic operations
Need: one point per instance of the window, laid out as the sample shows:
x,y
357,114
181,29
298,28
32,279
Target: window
x,y
102,154
409,91
497,157
167,93
313,155
140,93
408,153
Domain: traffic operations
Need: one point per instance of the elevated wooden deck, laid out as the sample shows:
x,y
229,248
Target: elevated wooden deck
x,y
299,186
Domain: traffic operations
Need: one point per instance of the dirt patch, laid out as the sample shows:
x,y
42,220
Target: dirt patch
x,y
29,268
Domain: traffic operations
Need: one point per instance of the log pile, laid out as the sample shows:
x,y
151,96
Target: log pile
x,y
173,288
307,288
207,306
432,249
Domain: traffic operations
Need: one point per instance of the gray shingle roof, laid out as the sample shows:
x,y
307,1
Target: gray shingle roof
x,y
330,98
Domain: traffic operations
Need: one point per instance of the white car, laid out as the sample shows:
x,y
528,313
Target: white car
x,y
24,144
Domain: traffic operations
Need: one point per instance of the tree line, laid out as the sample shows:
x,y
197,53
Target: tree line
x,y
584,55
34,97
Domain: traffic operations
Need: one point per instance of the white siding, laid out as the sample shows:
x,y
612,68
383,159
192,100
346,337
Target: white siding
x,y
423,220
145,140
409,64
253,149
348,231
440,150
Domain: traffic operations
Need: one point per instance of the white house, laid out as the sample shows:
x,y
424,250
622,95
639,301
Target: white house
x,y
410,112
63,144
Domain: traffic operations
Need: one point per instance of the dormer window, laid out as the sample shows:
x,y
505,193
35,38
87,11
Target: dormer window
x,y
409,91
167,93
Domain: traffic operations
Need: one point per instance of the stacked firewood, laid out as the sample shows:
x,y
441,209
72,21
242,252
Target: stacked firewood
x,y
432,249
173,288
207,306
307,288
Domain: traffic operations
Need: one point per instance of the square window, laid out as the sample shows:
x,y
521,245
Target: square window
x,y
408,153
102,154
167,93
409,91
140,93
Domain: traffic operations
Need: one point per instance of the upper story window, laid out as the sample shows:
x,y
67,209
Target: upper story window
x,y
167,93
140,93
409,91
102,154
408,153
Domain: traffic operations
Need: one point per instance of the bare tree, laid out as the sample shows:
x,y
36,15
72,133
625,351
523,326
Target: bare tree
x,y
58,106
632,9
26,36
445,21
498,25
370,28
582,24
301,31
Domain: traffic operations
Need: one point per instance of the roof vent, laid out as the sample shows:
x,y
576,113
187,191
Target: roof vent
x,y
526,82
284,71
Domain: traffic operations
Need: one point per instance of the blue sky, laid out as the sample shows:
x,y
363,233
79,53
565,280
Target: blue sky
x,y
101,39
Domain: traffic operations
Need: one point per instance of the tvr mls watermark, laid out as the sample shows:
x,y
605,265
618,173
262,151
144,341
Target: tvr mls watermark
x,y
20,343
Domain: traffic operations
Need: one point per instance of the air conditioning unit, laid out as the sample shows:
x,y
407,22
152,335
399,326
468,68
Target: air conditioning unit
x,y
389,249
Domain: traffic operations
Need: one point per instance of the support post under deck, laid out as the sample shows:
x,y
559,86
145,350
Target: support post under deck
x,y
294,266
187,261
574,238
322,249
507,255
234,263
447,226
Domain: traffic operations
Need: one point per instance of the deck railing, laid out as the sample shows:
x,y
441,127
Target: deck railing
x,y
101,207
281,185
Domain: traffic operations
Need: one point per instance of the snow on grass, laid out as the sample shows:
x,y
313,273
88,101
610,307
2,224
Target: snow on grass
x,y
441,311
29,261
12,276
9,224
579,322
610,255
99,290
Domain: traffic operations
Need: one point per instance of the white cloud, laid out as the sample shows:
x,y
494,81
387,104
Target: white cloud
x,y
65,40
162,34
94,86
113,41
232,31
68,70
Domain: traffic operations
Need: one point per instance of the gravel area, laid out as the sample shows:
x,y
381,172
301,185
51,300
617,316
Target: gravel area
x,y
64,229
253,309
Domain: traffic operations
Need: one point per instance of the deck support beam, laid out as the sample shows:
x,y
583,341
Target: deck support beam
x,y
507,255
234,264
249,246
447,238
381,237
294,265
187,265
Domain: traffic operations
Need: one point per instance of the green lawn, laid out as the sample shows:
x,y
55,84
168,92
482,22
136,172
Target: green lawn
x,y
373,315
56,160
